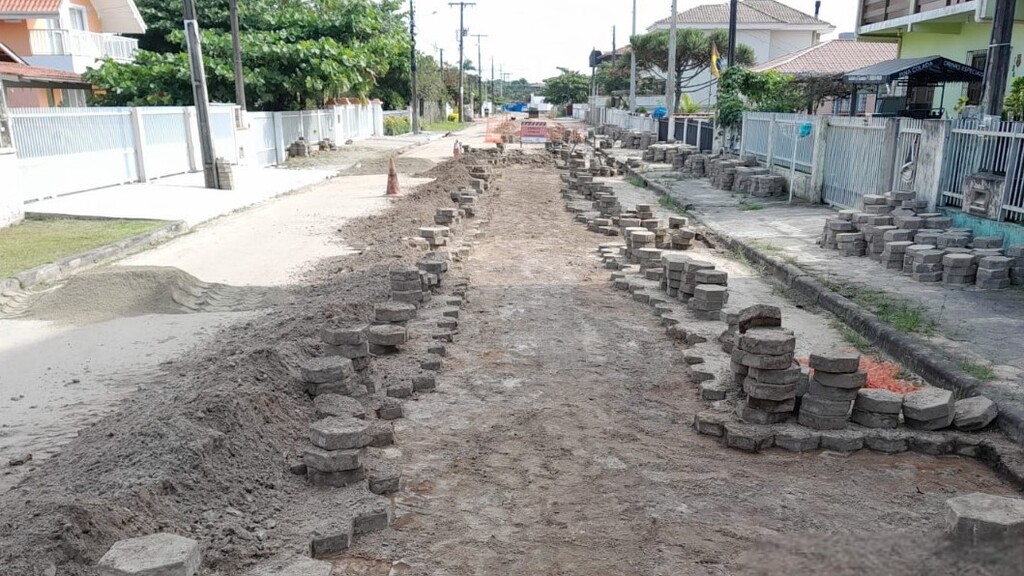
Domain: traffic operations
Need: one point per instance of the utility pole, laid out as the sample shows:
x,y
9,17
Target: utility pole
x,y
670,85
199,93
236,48
997,65
632,65
480,70
462,57
415,101
501,74
733,5
491,89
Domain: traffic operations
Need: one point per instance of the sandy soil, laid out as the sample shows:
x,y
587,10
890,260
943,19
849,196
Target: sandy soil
x,y
561,444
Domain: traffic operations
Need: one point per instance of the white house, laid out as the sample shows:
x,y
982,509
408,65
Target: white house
x,y
770,28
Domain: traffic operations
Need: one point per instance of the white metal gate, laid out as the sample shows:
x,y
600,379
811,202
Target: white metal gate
x,y
854,163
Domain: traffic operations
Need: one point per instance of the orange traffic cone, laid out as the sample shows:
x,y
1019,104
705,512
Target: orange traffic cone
x,y
457,152
393,189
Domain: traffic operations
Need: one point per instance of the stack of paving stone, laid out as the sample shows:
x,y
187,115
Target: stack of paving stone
x,y
739,321
923,262
407,285
929,409
436,236
994,272
389,329
725,176
607,204
638,239
688,283
446,216
347,342
336,455
431,268
672,279
744,182
649,258
330,375
1017,269
768,185
679,237
893,254
834,227
644,211
695,165
877,408
466,199
764,359
876,204
851,243
959,269
710,293
833,386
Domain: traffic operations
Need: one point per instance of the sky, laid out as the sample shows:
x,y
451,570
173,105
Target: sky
x,y
532,38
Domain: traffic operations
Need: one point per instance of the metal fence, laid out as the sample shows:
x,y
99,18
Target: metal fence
x,y
629,121
780,139
971,147
908,146
854,161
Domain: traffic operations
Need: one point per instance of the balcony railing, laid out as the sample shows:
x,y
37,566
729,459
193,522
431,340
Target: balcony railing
x,y
78,43
876,11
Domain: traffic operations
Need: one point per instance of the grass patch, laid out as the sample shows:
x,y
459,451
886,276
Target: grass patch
x,y
636,181
745,207
900,314
444,126
36,242
979,371
671,204
765,246
851,337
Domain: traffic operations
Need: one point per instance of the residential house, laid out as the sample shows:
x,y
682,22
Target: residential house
x,y
830,60
769,27
959,30
24,86
70,35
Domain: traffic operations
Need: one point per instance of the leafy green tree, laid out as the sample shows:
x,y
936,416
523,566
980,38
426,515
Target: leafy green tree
x,y
693,55
296,53
1014,103
740,89
566,88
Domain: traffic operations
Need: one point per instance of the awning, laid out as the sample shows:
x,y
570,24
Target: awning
x,y
21,76
925,70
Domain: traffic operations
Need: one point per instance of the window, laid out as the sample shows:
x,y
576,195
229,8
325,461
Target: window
x,y
977,59
79,18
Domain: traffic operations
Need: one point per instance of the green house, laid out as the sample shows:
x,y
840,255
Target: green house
x,y
959,30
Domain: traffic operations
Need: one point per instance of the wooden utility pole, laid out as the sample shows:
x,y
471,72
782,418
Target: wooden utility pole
x,y
199,92
236,48
462,56
998,64
480,70
414,103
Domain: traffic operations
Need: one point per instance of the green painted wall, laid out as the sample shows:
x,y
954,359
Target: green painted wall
x,y
972,36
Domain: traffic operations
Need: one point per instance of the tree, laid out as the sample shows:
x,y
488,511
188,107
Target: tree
x,y
740,89
566,88
693,55
296,53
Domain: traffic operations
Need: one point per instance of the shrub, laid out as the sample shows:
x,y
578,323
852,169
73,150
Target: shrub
x,y
395,125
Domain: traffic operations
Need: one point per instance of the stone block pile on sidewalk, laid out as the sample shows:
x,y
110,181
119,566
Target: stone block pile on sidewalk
x,y
833,386
894,230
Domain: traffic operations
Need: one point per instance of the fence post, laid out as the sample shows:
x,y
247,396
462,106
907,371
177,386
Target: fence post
x,y
931,156
770,153
139,140
890,145
743,137
279,143
191,135
818,159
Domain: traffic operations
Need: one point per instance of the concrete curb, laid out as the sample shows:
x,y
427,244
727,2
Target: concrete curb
x,y
932,364
69,265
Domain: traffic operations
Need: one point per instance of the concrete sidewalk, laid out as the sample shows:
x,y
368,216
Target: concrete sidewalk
x,y
971,325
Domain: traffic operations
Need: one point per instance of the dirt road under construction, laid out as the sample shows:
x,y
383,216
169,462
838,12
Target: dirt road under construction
x,y
559,439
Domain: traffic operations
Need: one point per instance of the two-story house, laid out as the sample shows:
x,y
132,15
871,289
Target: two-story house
x,y
769,27
68,36
959,30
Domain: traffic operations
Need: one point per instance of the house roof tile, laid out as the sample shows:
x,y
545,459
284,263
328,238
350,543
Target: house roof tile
x,y
747,12
831,58
29,6
36,73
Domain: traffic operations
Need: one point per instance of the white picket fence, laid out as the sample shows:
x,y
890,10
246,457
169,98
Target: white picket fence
x,y
65,150
627,120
